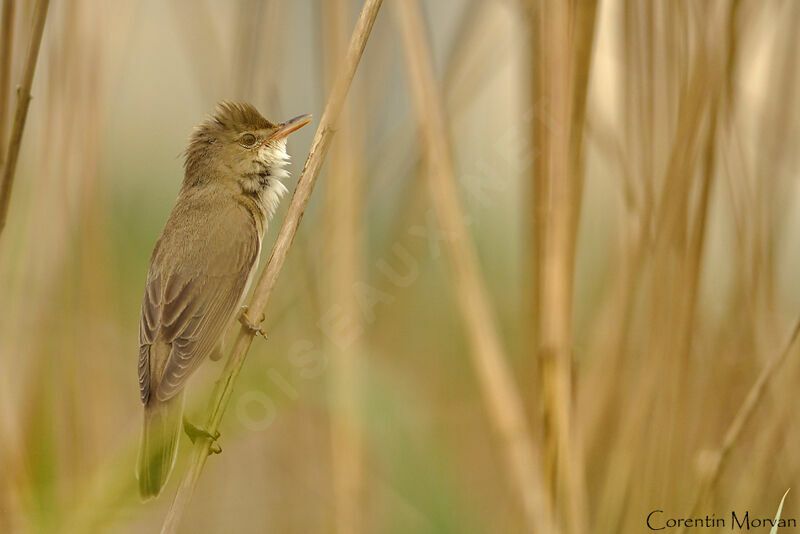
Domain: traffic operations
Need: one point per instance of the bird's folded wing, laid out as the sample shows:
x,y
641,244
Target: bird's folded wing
x,y
190,311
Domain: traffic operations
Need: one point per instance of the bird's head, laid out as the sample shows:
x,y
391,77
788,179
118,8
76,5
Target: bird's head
x,y
238,146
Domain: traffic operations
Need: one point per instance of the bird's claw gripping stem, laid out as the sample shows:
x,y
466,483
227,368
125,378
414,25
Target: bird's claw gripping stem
x,y
256,329
195,432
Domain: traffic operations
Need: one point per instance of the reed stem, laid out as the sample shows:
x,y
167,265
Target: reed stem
x,y
342,258
559,100
504,403
6,55
21,113
740,420
269,276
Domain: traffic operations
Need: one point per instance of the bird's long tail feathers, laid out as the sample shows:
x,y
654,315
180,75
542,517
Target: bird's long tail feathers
x,y
159,447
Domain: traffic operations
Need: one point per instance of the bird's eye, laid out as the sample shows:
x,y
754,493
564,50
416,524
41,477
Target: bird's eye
x,y
248,140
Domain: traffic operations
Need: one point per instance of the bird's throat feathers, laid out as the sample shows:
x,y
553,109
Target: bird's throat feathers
x,y
258,177
264,181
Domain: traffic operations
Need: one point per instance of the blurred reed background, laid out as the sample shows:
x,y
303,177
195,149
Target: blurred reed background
x,y
551,253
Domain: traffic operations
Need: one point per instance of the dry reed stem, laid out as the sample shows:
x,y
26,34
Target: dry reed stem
x,y
538,198
740,420
280,249
470,63
585,15
250,26
21,113
504,403
773,178
6,55
673,295
342,258
469,54
583,35
702,102
718,81
203,46
556,197
639,140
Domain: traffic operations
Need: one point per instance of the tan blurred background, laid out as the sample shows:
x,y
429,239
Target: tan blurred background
x,y
364,411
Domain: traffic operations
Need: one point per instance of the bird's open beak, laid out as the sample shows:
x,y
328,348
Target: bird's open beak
x,y
285,128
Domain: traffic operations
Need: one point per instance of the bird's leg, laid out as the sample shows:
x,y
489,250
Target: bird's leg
x,y
256,329
195,432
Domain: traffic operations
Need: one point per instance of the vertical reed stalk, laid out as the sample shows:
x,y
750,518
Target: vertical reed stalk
x,y
556,197
203,46
251,27
6,55
504,403
469,63
343,270
269,276
21,113
584,22
740,421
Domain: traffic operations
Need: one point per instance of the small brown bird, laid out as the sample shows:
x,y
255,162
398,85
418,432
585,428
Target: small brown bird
x,y
202,265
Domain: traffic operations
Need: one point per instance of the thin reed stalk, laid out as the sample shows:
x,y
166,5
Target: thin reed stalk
x,y
469,63
251,26
199,34
21,113
269,276
584,22
559,101
671,278
740,420
343,271
6,55
690,218
503,400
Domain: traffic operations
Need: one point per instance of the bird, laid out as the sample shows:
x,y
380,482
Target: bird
x,y
202,265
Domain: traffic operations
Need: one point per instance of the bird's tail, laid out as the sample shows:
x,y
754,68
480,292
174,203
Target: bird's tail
x,y
159,447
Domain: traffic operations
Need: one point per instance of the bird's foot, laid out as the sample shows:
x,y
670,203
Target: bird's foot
x,y
195,432
256,329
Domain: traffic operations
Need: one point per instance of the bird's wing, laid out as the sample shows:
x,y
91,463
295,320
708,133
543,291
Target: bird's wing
x,y
149,323
190,309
